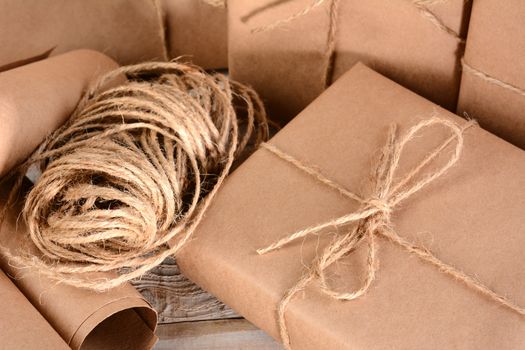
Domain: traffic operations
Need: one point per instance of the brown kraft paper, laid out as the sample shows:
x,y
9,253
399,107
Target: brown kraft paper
x,y
493,81
118,319
197,31
397,38
34,100
470,218
37,98
127,31
21,326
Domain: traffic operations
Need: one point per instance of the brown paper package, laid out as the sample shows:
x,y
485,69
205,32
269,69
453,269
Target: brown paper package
x,y
285,64
496,47
471,218
34,100
197,31
21,326
127,31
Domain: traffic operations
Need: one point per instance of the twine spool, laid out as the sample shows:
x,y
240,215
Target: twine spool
x,y
134,168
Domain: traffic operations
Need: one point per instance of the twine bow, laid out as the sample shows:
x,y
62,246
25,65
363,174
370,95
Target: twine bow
x,y
373,218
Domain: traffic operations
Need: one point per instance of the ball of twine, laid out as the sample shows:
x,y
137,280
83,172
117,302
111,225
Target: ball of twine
x,y
134,169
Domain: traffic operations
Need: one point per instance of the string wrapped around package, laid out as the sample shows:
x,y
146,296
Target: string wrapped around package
x,y
128,178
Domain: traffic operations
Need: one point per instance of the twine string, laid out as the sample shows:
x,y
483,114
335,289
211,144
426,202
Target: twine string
x,y
491,79
134,170
373,218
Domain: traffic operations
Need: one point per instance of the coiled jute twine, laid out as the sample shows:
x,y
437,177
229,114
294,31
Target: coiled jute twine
x,y
134,168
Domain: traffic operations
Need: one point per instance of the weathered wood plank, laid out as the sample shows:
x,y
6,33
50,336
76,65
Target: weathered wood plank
x,y
233,334
177,299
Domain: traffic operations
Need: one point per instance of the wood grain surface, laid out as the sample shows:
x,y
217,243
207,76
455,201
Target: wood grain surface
x,y
191,319
177,299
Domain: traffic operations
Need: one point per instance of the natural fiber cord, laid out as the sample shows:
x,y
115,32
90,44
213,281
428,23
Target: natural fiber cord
x,y
467,68
135,168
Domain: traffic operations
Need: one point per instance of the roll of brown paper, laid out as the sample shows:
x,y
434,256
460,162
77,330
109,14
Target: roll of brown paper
x,y
127,31
21,325
37,98
34,100
87,320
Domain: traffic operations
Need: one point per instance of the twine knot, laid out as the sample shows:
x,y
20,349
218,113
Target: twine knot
x,y
381,205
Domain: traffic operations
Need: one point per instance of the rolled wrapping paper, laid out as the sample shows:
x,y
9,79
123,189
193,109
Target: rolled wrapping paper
x,y
34,100
37,98
127,31
118,319
197,29
22,327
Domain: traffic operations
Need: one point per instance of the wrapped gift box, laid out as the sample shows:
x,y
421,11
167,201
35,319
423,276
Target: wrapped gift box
x,y
493,81
127,31
197,31
470,218
416,43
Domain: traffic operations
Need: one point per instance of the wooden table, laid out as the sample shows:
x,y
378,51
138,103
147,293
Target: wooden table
x,y
191,319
